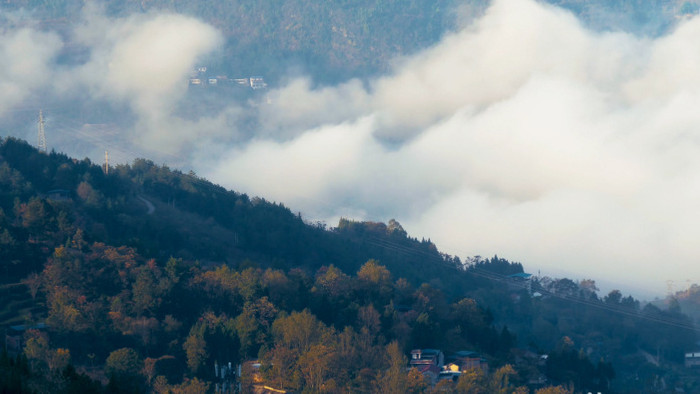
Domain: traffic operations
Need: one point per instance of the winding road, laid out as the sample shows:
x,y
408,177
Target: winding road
x,y
149,205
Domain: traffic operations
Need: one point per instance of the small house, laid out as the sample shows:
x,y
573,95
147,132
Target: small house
x,y
427,357
465,360
428,362
692,359
257,83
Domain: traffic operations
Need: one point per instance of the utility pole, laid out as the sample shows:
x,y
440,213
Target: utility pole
x,y
106,163
42,135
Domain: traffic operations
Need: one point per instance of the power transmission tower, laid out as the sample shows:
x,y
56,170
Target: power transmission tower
x,y
42,135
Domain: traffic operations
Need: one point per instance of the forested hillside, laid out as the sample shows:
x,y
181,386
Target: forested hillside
x,y
144,279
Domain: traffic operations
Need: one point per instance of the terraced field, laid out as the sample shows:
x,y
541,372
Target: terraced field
x,y
17,305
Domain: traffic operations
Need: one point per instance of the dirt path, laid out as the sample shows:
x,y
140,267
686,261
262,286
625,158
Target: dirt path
x,y
149,205
651,359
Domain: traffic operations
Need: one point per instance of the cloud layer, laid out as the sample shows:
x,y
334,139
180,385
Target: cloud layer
x,y
26,56
144,61
524,134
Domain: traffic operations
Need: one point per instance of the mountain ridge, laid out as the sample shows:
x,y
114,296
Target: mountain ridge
x,y
94,263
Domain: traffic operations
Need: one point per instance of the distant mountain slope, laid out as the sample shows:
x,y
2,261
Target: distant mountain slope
x,y
193,219
340,39
330,40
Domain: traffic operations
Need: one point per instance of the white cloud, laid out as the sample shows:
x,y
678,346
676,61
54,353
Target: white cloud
x,y
524,134
26,56
144,61
310,166
298,107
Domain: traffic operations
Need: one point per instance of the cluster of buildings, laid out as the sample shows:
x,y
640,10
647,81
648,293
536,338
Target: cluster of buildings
x,y
692,360
200,77
431,363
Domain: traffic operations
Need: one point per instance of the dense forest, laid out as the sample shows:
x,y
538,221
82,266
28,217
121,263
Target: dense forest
x,y
142,279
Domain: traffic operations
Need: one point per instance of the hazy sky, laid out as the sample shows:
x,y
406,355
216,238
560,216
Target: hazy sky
x,y
524,135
